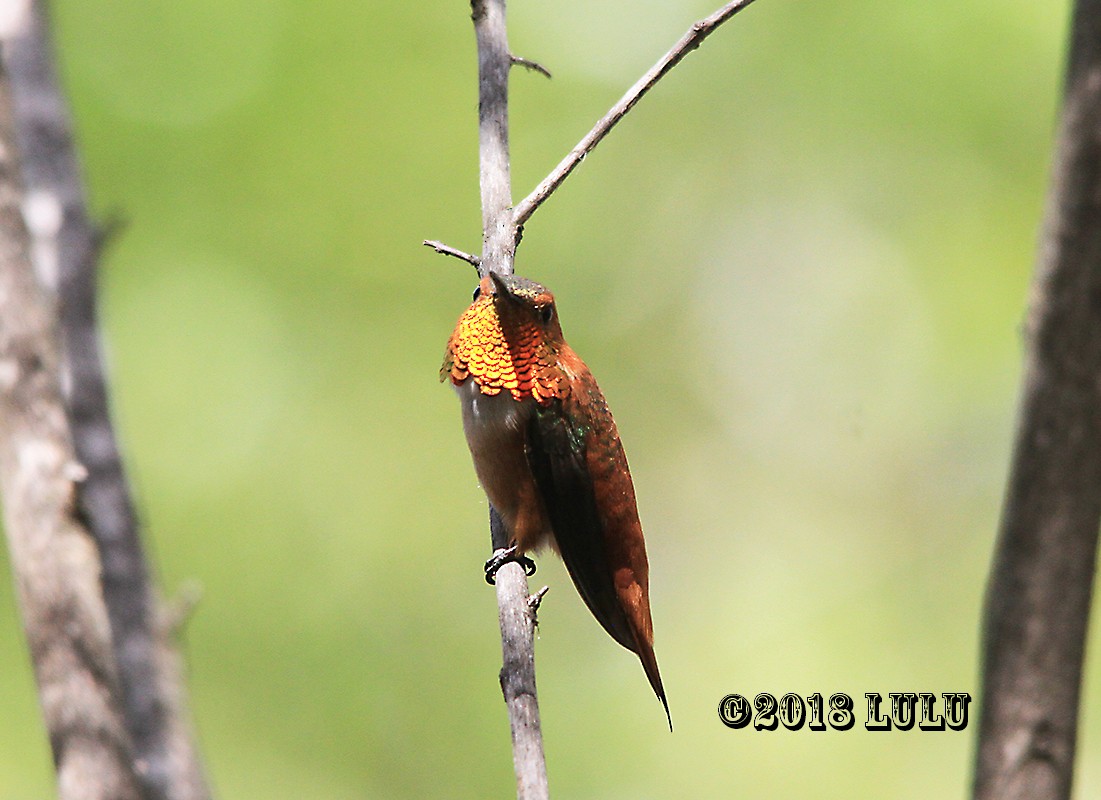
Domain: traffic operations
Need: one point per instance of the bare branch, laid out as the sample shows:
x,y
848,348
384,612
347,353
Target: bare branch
x,y
494,61
689,42
53,555
531,66
1038,599
447,250
498,251
517,622
65,247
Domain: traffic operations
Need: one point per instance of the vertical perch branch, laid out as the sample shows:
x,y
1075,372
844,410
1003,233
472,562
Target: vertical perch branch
x,y
53,555
517,619
494,62
501,231
1038,599
517,622
65,249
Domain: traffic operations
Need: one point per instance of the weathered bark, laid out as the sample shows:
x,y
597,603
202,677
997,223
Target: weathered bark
x,y
516,618
1038,599
65,247
53,555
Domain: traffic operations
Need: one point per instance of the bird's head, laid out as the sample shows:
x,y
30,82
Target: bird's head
x,y
509,338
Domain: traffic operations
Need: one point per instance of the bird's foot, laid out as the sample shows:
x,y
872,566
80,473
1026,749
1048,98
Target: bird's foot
x,y
502,557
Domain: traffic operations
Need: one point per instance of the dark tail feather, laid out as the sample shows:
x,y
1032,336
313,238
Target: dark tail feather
x,y
604,606
563,479
650,665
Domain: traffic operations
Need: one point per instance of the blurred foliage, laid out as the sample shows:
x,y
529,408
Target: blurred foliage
x,y
798,269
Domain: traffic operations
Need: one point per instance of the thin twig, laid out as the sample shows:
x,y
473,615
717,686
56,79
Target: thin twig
x,y
66,244
689,42
454,252
532,66
178,610
536,600
1038,599
53,555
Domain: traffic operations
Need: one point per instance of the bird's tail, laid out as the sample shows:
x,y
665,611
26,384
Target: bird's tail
x,y
650,665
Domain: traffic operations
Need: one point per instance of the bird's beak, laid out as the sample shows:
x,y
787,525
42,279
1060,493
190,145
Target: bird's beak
x,y
500,286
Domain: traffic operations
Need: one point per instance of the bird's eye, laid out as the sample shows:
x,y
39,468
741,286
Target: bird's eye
x,y
477,292
546,313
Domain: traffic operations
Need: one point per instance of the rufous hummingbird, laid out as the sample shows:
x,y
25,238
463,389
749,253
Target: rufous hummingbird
x,y
548,455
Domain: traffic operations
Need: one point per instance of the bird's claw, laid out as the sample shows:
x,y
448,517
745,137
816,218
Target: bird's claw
x,y
502,557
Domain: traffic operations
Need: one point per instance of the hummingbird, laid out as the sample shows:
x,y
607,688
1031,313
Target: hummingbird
x,y
548,455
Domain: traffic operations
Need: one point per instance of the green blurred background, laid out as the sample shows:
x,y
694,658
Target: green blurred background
x,y
798,269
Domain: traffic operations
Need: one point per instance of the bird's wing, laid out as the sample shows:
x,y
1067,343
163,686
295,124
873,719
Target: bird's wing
x,y
556,452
